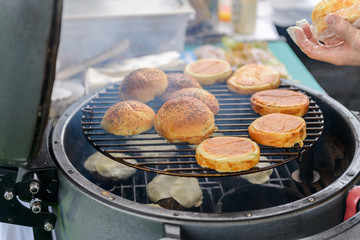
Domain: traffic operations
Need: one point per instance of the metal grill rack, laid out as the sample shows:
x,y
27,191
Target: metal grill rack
x,y
154,154
213,189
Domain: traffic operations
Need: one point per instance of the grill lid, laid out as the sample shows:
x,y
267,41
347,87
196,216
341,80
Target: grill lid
x,y
155,154
27,66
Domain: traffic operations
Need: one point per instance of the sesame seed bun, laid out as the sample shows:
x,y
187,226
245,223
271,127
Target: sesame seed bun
x,y
143,85
201,94
178,81
184,119
128,118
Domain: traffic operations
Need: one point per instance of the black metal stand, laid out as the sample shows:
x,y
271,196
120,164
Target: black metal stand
x,y
37,184
306,172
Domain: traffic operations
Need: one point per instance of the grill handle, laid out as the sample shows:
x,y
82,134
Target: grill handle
x,y
352,201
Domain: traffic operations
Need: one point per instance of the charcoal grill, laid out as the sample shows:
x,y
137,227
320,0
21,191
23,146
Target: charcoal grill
x,y
85,206
178,159
292,210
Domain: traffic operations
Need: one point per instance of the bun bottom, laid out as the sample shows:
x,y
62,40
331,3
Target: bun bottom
x,y
228,154
278,130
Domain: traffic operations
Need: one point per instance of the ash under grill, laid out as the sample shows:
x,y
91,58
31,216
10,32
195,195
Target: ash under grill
x,y
155,154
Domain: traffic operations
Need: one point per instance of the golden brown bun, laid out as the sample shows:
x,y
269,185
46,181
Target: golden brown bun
x,y
184,119
278,130
280,101
143,85
209,70
128,118
228,154
206,97
338,7
178,81
252,78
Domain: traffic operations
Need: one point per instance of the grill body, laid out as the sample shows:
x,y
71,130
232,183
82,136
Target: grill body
x,y
90,211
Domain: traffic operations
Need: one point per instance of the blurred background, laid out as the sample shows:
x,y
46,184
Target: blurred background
x,y
102,42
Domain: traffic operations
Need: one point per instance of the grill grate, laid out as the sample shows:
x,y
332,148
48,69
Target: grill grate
x,y
155,154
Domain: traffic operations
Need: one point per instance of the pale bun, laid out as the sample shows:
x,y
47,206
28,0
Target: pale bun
x,y
201,94
184,119
278,130
228,154
128,118
280,101
343,8
178,81
143,85
209,70
252,78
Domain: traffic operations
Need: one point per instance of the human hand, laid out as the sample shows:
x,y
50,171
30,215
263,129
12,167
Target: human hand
x,y
346,53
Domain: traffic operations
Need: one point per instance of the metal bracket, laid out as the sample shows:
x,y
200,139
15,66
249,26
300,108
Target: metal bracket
x,y
171,232
37,184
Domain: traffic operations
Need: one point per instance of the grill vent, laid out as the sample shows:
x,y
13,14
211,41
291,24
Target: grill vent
x,y
154,154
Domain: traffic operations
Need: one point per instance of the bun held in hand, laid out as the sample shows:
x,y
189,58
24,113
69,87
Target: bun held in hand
x,y
348,9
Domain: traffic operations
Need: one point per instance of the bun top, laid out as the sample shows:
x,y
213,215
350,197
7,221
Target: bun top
x,y
201,94
178,81
128,118
184,119
143,84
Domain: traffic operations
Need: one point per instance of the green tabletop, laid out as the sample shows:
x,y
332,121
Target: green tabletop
x,y
294,66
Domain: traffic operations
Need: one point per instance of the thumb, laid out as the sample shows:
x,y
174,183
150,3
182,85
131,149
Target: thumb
x,y
342,28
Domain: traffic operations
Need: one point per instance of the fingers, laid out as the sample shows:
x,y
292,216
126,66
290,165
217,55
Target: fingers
x,y
304,24
343,29
313,50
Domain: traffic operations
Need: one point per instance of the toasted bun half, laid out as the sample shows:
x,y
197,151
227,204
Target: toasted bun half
x,y
209,70
201,94
280,101
128,118
343,8
228,154
278,130
184,119
178,81
143,85
252,78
